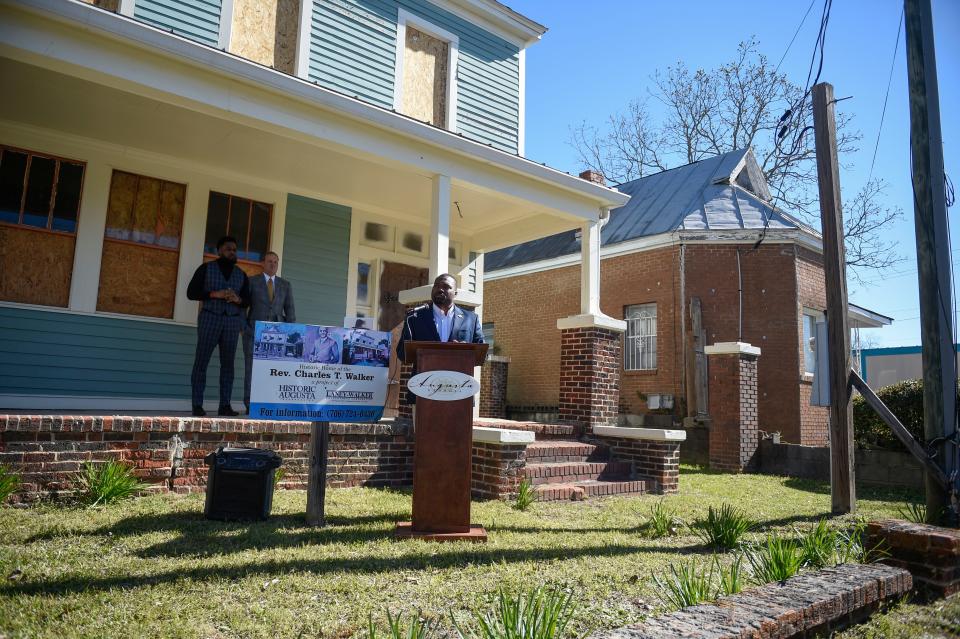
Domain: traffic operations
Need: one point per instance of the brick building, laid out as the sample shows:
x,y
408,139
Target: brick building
x,y
681,265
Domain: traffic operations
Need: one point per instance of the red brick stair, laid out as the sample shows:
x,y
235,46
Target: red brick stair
x,y
564,470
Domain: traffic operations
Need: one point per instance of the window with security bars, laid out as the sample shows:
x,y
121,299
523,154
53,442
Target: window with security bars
x,y
640,342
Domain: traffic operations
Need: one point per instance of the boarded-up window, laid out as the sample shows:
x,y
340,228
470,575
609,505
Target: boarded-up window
x,y
39,209
425,77
141,246
242,218
265,31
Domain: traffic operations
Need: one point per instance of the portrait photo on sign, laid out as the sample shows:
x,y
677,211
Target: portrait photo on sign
x,y
279,342
324,345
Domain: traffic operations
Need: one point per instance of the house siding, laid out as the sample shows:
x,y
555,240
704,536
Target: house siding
x,y
71,354
316,257
195,19
353,51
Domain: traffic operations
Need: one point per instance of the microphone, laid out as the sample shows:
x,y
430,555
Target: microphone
x,y
417,309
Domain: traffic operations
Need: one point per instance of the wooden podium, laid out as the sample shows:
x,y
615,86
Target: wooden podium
x,y
443,449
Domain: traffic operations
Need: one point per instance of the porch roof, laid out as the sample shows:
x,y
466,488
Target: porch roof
x,y
132,85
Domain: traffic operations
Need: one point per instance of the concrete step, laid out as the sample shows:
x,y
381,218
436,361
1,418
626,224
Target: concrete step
x,y
567,472
581,490
542,431
551,451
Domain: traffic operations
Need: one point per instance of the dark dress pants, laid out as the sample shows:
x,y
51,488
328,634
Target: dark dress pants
x,y
215,331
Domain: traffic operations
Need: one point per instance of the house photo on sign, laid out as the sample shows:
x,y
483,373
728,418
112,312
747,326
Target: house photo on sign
x,y
318,373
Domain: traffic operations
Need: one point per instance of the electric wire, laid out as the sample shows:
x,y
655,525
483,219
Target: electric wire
x,y
883,113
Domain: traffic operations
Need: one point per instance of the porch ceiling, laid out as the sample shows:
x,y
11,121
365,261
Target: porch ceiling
x,y
42,98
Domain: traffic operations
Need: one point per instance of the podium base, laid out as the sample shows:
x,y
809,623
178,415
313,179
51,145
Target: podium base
x,y
405,530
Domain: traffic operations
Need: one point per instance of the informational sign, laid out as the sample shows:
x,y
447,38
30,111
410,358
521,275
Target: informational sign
x,y
444,386
314,373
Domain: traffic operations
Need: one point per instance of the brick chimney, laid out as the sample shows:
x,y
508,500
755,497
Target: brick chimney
x,y
593,176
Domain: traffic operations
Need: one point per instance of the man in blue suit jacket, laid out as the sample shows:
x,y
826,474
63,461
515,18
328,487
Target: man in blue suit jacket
x,y
440,321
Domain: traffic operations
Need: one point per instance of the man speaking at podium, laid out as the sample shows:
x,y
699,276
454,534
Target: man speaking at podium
x,y
439,321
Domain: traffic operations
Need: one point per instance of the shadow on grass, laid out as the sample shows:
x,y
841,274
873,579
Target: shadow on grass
x,y
418,559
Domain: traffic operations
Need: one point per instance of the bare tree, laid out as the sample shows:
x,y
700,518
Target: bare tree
x,y
736,105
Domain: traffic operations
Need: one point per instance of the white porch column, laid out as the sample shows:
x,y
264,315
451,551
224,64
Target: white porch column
x,y
440,226
590,268
85,283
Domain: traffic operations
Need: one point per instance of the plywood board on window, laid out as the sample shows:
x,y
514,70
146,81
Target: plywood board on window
x,y
265,31
425,77
170,214
137,280
35,266
123,193
109,5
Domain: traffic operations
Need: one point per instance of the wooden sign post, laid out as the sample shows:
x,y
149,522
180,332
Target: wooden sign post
x,y
317,477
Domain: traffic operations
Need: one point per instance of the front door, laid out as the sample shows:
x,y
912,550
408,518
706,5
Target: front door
x,y
395,277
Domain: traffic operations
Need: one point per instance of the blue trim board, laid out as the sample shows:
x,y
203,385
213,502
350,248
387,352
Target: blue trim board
x,y
893,350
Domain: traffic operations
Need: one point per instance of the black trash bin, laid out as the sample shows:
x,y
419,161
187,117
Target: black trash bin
x,y
240,483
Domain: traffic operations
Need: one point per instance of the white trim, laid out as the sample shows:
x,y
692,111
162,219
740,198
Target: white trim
x,y
127,8
88,249
271,99
453,54
732,348
301,63
522,103
496,18
101,403
226,25
774,236
489,435
592,321
439,255
652,434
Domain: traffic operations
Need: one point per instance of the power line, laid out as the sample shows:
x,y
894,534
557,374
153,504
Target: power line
x,y
795,33
896,45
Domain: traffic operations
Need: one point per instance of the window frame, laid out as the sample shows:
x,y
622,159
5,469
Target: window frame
x,y
53,194
815,316
246,247
628,336
404,18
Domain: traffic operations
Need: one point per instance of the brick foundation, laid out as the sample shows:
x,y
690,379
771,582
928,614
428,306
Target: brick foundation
x,y
734,432
589,376
405,410
497,470
653,460
493,387
930,553
808,605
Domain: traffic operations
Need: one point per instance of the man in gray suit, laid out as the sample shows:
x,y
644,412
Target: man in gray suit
x,y
271,300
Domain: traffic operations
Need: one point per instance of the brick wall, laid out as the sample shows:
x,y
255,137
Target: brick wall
x,y
930,553
497,470
734,436
589,376
493,387
168,452
811,294
532,340
658,461
770,319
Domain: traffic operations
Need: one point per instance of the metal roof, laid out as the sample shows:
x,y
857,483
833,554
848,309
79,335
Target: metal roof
x,y
723,192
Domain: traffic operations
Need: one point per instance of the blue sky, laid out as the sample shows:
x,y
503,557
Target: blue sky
x,y
598,56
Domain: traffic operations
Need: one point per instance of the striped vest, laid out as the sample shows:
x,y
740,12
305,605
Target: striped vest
x,y
214,281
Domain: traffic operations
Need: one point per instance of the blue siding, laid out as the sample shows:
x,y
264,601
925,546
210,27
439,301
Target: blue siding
x,y
86,355
195,19
353,50
316,258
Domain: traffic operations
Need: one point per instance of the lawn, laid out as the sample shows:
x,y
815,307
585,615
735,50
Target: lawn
x,y
154,567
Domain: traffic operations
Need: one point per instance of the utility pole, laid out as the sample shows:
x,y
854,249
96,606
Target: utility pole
x,y
933,250
842,490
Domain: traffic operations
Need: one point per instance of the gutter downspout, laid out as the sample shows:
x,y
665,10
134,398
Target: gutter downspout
x,y
739,300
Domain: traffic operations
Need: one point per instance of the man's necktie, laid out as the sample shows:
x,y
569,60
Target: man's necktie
x,y
270,289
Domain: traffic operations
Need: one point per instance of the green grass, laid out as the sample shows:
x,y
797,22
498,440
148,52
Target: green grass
x,y
152,566
937,620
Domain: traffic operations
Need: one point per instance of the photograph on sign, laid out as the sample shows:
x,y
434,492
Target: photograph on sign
x,y
444,386
318,373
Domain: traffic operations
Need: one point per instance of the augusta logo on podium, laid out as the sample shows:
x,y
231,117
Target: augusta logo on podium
x,y
444,386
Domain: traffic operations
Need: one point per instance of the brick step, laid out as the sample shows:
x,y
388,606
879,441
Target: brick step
x,y
580,490
565,451
569,472
542,431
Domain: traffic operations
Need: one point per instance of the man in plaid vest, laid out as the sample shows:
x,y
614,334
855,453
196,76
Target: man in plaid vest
x,y
223,291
